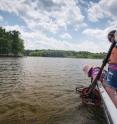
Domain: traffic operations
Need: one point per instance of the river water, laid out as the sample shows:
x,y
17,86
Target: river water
x,y
35,90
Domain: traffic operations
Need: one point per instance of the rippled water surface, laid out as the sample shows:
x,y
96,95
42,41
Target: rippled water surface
x,y
37,90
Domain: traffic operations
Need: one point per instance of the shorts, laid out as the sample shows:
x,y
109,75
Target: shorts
x,y
112,78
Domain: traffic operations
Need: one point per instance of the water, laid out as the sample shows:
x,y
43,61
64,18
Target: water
x,y
37,90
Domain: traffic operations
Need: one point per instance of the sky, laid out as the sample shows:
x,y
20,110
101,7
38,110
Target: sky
x,y
79,25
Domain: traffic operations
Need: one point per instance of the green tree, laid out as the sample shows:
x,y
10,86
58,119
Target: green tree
x,y
15,42
11,43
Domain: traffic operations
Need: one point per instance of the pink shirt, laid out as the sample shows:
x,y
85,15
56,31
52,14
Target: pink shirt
x,y
113,66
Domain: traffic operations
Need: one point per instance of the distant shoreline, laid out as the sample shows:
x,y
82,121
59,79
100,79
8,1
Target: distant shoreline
x,y
64,54
58,54
63,57
45,57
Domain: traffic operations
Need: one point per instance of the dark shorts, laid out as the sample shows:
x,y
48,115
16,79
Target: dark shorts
x,y
112,78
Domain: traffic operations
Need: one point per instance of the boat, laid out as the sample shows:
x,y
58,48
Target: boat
x,y
106,97
99,91
109,101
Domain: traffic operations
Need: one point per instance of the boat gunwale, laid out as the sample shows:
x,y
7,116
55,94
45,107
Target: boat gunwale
x,y
109,107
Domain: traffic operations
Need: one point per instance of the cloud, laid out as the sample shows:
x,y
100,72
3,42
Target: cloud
x,y
42,17
38,40
99,33
14,27
95,13
95,33
66,36
49,15
102,9
1,18
48,21
99,36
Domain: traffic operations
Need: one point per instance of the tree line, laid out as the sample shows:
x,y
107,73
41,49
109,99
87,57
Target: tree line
x,y
63,53
10,43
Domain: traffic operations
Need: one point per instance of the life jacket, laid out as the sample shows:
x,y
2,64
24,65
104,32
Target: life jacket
x,y
113,56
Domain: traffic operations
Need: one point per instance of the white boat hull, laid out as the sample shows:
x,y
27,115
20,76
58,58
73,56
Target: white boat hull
x,y
108,105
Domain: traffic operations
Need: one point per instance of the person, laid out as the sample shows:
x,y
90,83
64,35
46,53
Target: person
x,y
92,72
112,62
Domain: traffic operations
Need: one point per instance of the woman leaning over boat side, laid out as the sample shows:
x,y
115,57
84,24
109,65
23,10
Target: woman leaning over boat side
x,y
112,67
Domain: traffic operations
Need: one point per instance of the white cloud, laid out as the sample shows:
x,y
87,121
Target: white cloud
x,y
38,40
102,9
99,33
1,18
96,33
48,15
95,12
43,16
99,36
46,18
15,27
66,36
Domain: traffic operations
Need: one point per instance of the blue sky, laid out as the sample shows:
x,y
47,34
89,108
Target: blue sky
x,y
80,25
